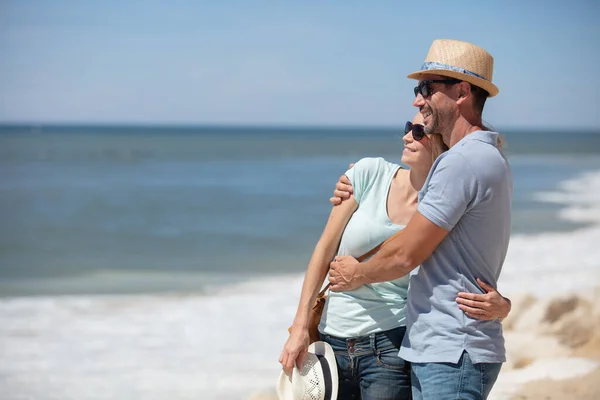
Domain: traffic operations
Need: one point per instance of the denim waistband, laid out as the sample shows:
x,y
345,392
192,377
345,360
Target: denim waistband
x,y
367,343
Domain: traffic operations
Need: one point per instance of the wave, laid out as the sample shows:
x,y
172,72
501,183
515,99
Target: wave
x,y
552,263
581,198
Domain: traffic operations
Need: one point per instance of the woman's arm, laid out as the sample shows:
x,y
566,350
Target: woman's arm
x,y
488,306
297,344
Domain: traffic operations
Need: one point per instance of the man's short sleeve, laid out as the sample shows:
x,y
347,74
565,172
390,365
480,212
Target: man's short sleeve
x,y
361,175
450,191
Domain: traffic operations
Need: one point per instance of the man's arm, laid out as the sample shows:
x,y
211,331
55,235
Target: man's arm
x,y
451,188
413,245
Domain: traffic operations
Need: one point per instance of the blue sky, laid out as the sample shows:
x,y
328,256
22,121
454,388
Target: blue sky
x,y
287,62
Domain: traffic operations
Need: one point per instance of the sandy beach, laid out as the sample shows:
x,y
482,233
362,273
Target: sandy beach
x,y
553,349
583,388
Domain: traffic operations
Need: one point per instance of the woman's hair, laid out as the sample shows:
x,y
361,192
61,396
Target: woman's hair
x,y
437,146
501,139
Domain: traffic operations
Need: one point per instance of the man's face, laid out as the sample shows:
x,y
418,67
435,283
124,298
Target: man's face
x,y
435,103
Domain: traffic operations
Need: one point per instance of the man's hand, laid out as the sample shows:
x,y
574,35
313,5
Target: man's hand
x,y
488,306
344,274
343,190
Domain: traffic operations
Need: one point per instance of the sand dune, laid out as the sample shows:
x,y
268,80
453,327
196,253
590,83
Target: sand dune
x,y
553,349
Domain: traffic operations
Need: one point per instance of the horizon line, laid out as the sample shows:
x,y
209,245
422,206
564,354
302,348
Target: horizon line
x,y
253,125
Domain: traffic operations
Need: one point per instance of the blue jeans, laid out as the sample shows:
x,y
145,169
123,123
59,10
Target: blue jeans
x,y
369,367
447,381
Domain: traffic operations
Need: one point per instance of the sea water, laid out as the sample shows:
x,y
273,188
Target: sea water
x,y
154,263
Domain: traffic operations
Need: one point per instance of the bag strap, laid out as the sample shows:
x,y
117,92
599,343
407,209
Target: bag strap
x,y
364,257
376,248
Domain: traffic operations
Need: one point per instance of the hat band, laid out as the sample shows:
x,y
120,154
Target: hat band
x,y
326,376
436,65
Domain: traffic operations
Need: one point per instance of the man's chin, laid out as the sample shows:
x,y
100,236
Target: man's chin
x,y
429,129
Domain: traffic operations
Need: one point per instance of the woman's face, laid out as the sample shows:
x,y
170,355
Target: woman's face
x,y
417,153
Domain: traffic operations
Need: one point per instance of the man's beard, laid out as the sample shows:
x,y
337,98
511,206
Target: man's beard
x,y
432,127
440,121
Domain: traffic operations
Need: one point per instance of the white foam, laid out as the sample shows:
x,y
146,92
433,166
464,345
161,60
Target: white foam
x,y
548,264
581,198
146,347
227,345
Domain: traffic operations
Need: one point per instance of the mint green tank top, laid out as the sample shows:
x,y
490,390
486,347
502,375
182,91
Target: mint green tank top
x,y
379,306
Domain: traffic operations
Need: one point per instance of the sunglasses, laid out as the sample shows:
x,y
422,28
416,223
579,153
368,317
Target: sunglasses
x,y
418,130
425,89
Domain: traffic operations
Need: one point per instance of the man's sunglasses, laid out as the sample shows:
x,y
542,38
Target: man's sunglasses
x,y
425,89
418,130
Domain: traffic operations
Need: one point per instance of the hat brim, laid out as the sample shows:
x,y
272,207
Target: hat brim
x,y
482,83
284,383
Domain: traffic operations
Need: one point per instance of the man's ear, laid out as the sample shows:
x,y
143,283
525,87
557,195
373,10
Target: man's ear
x,y
464,90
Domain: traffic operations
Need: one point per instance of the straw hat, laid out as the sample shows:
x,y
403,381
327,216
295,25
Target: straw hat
x,y
316,379
460,60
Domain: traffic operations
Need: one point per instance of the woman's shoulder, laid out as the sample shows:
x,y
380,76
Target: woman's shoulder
x,y
369,173
375,164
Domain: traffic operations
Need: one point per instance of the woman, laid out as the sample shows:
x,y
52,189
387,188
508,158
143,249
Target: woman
x,y
365,327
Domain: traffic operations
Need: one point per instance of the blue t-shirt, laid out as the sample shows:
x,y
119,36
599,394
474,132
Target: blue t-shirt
x,y
380,306
468,192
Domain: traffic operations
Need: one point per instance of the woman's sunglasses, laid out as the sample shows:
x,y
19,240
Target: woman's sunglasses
x,y
425,89
418,130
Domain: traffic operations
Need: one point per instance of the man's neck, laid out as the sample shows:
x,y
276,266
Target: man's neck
x,y
461,129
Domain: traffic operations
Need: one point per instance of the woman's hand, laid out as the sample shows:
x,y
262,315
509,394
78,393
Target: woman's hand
x,y
488,306
295,349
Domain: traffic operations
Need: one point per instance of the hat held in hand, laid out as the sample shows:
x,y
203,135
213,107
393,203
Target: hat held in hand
x,y
315,379
460,60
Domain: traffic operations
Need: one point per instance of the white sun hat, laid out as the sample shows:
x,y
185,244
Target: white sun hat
x,y
316,379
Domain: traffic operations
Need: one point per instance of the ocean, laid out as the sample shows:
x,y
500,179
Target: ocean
x,y
166,262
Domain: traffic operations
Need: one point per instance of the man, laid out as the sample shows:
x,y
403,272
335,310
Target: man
x,y
459,233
